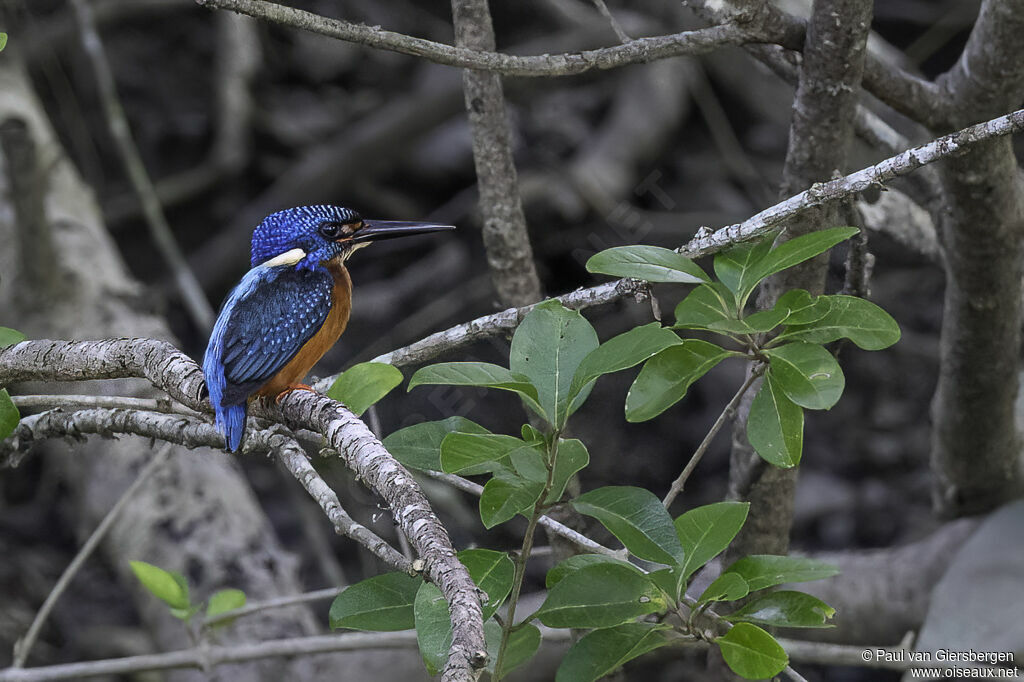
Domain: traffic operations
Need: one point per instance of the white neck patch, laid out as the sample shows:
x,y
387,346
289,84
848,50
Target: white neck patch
x,y
287,258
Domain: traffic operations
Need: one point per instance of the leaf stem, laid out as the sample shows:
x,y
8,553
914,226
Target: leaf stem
x,y
677,485
524,555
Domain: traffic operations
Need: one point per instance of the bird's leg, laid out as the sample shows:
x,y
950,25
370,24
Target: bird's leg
x,y
293,387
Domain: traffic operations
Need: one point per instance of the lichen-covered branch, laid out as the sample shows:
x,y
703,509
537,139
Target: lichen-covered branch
x,y
174,372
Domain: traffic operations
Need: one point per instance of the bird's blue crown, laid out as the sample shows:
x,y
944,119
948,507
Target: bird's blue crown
x,y
299,228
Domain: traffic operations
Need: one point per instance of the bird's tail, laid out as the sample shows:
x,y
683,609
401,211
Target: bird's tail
x,y
231,422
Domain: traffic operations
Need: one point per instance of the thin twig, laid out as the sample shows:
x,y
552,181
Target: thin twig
x,y
192,294
268,604
730,409
620,33
24,646
575,537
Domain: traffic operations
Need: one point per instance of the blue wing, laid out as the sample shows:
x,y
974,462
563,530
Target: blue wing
x,y
264,322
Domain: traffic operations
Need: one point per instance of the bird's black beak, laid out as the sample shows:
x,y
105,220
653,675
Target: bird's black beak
x,y
373,230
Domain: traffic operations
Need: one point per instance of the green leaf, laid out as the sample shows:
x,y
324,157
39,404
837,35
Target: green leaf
x,y
739,268
637,518
668,580
531,435
364,384
164,585
223,601
755,323
704,306
433,627
667,376
9,415
798,249
528,462
600,596
751,652
522,645
505,495
548,347
802,308
767,570
622,352
785,608
726,587
572,457
383,603
8,336
600,652
578,561
492,572
706,531
649,263
775,425
419,446
807,374
476,374
477,453
3,41
863,322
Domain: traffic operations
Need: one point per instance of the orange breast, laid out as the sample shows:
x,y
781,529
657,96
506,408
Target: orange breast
x,y
311,352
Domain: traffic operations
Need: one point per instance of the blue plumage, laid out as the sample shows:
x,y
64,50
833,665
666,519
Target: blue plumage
x,y
283,303
272,312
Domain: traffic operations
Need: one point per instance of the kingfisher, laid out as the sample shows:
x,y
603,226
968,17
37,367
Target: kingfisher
x,y
290,308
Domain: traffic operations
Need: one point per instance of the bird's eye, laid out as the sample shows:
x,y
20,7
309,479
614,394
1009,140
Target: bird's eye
x,y
331,230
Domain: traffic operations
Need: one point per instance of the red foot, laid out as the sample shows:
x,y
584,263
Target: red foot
x,y
293,387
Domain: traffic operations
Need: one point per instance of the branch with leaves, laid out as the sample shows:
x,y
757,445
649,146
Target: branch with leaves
x,y
708,242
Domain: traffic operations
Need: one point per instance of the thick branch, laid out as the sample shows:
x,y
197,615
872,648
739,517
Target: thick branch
x,y
975,441
635,52
504,225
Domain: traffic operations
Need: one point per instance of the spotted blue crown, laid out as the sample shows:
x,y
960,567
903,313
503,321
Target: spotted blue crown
x,y
297,228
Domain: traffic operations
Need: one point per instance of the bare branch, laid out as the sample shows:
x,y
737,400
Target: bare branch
x,y
637,51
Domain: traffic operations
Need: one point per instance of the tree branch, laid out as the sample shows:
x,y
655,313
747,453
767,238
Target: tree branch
x,y
637,51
